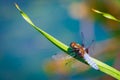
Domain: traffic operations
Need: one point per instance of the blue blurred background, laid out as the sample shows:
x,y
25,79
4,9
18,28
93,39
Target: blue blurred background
x,y
26,55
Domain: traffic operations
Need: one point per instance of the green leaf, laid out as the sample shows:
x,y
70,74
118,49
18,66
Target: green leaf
x,y
106,15
102,66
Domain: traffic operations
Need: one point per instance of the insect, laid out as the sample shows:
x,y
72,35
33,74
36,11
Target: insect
x,y
83,52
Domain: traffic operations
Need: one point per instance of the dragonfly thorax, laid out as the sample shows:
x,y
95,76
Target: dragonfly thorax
x,y
78,49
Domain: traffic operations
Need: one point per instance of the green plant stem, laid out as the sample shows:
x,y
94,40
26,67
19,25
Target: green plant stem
x,y
102,66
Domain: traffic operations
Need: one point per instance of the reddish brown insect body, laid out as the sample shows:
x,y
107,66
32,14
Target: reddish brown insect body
x,y
83,52
77,49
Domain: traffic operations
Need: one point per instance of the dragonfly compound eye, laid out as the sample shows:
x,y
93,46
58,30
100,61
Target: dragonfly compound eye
x,y
73,45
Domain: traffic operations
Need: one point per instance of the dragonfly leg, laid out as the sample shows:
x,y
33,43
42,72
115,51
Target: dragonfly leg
x,y
73,52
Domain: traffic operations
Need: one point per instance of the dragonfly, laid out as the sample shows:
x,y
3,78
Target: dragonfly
x,y
81,51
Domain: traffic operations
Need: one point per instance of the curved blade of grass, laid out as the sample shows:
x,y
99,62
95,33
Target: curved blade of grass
x,y
102,66
106,15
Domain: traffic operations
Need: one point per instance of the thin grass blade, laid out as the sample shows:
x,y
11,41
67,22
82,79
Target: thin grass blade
x,y
102,66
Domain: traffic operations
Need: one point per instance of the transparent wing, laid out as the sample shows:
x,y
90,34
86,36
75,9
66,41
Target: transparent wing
x,y
91,47
90,61
83,39
68,60
61,56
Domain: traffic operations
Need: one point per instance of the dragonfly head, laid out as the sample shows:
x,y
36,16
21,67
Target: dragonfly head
x,y
74,45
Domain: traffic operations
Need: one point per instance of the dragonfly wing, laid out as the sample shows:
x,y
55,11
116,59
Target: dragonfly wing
x,y
89,60
68,60
61,57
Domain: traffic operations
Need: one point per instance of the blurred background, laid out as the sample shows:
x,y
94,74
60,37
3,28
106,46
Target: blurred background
x,y
26,55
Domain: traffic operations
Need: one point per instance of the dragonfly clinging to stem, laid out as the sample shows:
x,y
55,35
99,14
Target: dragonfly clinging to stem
x,y
83,52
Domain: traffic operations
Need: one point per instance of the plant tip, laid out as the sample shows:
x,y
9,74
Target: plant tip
x,y
94,10
16,5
